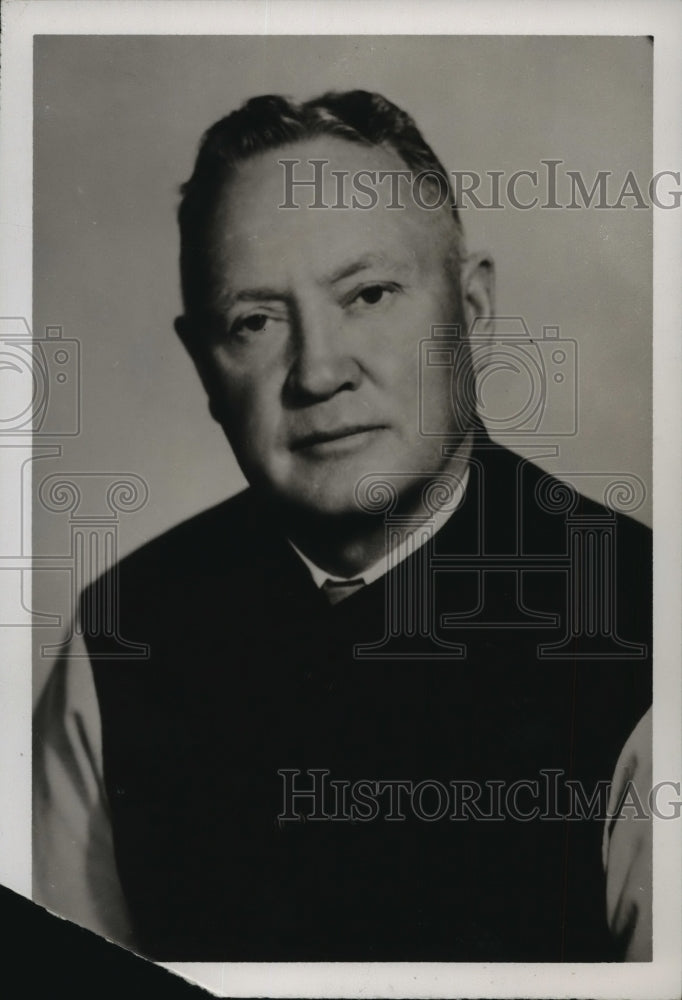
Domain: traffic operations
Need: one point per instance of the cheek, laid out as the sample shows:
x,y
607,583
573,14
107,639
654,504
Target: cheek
x,y
247,395
250,412
392,347
399,366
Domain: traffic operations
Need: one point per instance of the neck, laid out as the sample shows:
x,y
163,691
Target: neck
x,y
349,544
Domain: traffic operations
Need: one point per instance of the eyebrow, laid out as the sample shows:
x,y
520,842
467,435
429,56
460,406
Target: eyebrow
x,y
255,295
361,264
347,270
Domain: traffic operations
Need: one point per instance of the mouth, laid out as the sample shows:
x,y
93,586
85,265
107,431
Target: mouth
x,y
336,439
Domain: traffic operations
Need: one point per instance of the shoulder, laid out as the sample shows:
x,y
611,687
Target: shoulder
x,y
221,535
550,499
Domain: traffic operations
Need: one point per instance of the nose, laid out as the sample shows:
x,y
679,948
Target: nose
x,y
322,363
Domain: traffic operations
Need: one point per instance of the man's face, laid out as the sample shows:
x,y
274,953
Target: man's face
x,y
312,362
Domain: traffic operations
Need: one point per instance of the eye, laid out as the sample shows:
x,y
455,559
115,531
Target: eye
x,y
253,323
372,295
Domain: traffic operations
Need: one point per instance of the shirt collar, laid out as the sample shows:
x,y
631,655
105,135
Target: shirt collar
x,y
413,540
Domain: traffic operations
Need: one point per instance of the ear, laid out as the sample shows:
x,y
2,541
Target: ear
x,y
183,328
190,338
477,281
477,287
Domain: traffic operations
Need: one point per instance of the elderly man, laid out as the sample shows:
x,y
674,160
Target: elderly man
x,y
351,739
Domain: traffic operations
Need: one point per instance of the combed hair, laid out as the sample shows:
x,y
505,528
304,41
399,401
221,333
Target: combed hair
x,y
269,122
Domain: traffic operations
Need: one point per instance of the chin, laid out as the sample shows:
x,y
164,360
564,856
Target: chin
x,y
310,497
325,502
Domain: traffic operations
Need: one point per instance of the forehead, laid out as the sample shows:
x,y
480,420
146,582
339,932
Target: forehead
x,y
253,233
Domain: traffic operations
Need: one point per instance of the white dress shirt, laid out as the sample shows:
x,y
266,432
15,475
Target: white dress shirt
x,y
627,847
410,543
74,870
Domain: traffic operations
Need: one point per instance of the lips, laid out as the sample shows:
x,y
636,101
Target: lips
x,y
322,437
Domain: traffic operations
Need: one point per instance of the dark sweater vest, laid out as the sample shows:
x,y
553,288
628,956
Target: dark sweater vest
x,y
251,672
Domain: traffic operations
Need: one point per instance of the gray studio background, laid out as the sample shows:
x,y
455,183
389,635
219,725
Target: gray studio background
x,y
117,122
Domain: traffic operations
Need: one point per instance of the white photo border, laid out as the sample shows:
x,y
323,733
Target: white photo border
x,y
661,19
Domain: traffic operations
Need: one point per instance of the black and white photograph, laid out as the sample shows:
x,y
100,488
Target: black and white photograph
x,y
342,436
